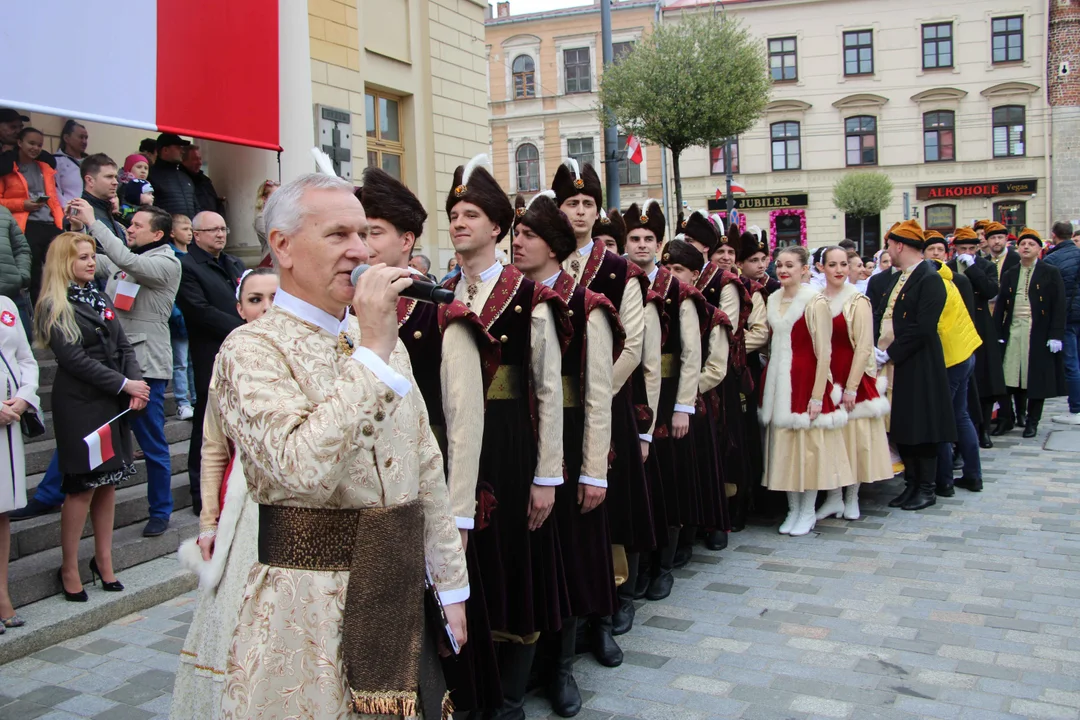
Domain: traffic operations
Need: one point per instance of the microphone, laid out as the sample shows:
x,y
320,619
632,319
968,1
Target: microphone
x,y
421,290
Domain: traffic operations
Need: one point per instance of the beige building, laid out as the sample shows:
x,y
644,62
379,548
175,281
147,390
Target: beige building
x,y
948,100
401,81
543,70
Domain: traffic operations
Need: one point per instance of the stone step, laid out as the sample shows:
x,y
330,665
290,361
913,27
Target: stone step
x,y
53,620
29,537
46,372
178,460
33,578
45,394
39,452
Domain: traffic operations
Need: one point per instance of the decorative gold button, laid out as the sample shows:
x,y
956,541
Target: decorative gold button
x,y
668,301
389,462
379,416
418,334
367,430
503,338
389,396
517,308
570,313
612,276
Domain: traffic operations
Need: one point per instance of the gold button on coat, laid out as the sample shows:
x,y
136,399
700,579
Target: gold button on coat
x,y
503,338
418,334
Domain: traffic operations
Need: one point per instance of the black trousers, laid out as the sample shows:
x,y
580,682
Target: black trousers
x,y
920,463
1019,398
203,374
40,236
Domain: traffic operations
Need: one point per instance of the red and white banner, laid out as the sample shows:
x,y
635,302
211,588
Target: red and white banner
x,y
203,68
633,150
125,294
100,443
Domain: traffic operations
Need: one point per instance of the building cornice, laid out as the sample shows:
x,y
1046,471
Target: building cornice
x,y
567,12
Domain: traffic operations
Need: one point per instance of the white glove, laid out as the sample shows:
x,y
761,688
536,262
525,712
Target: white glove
x,y
1054,345
968,260
881,356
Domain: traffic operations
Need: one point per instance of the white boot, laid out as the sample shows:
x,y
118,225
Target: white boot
x,y
833,505
851,502
794,501
806,520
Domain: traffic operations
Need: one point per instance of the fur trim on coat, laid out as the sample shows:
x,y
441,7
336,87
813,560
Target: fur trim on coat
x,y
189,553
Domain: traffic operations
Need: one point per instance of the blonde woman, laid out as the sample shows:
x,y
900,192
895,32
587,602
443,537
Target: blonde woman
x,y
265,191
97,378
227,545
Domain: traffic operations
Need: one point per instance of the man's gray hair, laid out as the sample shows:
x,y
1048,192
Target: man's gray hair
x,y
426,260
284,211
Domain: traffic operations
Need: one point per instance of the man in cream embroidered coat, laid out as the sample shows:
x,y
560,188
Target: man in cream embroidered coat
x,y
324,412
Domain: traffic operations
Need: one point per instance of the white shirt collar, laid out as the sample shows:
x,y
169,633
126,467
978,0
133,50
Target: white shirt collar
x,y
550,282
586,249
652,275
487,275
308,312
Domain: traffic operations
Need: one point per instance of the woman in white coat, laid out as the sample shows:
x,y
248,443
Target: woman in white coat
x,y
227,545
19,383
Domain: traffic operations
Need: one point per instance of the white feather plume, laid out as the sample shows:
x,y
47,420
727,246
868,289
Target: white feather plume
x,y
323,162
603,214
481,160
545,193
648,204
718,222
573,165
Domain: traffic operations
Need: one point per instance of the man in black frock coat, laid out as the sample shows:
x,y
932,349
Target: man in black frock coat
x,y
922,415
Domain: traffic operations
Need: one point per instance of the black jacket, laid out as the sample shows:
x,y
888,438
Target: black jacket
x,y
989,376
89,376
1012,259
877,291
921,398
207,299
206,197
1065,256
174,191
1046,293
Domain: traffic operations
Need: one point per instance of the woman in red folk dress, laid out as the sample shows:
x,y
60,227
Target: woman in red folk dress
x,y
854,368
804,441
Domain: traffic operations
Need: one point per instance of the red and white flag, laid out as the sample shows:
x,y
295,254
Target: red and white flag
x,y
100,443
633,150
125,295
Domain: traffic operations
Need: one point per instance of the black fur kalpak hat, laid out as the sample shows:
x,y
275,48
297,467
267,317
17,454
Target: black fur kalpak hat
x,y
650,217
611,223
680,252
474,183
697,227
386,198
570,180
543,217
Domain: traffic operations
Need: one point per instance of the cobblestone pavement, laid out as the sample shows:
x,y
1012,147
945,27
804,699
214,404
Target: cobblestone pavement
x,y
967,610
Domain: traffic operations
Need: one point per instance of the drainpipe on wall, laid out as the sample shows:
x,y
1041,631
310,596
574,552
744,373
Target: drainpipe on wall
x,y
1048,124
663,150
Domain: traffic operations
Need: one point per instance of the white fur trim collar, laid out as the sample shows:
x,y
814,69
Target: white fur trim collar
x,y
189,554
837,303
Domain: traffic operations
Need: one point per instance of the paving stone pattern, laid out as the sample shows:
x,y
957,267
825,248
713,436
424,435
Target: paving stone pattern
x,y
968,612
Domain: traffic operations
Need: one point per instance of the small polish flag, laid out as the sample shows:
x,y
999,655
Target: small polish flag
x,y
125,295
100,443
633,150
719,194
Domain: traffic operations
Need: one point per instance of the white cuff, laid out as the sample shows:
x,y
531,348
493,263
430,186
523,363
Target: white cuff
x,y
595,482
450,597
688,409
386,374
548,481
464,523
647,437
124,384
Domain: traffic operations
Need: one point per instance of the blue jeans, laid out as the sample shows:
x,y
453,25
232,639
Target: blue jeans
x,y
1071,348
149,429
48,490
22,301
183,378
968,440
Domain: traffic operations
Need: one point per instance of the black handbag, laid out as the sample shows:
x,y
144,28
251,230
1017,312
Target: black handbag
x,y
30,422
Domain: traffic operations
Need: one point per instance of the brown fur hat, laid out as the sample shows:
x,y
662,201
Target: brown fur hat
x,y
570,180
543,217
680,252
385,198
611,223
697,227
473,183
650,217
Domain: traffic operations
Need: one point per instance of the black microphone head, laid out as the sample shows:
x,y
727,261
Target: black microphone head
x,y
442,296
357,272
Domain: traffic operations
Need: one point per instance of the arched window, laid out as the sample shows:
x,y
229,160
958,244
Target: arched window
x,y
528,168
524,77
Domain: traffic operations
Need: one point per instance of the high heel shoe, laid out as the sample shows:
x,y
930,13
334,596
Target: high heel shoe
x,y
12,622
114,586
70,596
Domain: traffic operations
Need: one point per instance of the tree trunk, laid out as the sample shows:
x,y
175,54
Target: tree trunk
x,y
862,233
678,184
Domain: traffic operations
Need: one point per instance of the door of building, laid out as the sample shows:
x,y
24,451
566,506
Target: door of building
x,y
870,228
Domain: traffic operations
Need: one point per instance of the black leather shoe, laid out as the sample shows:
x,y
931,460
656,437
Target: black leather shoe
x,y
563,691
95,574
1031,429
622,621
682,556
972,484
34,508
716,540
641,585
899,500
1003,427
661,585
71,596
984,440
604,648
944,491
923,498
155,527
1021,419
